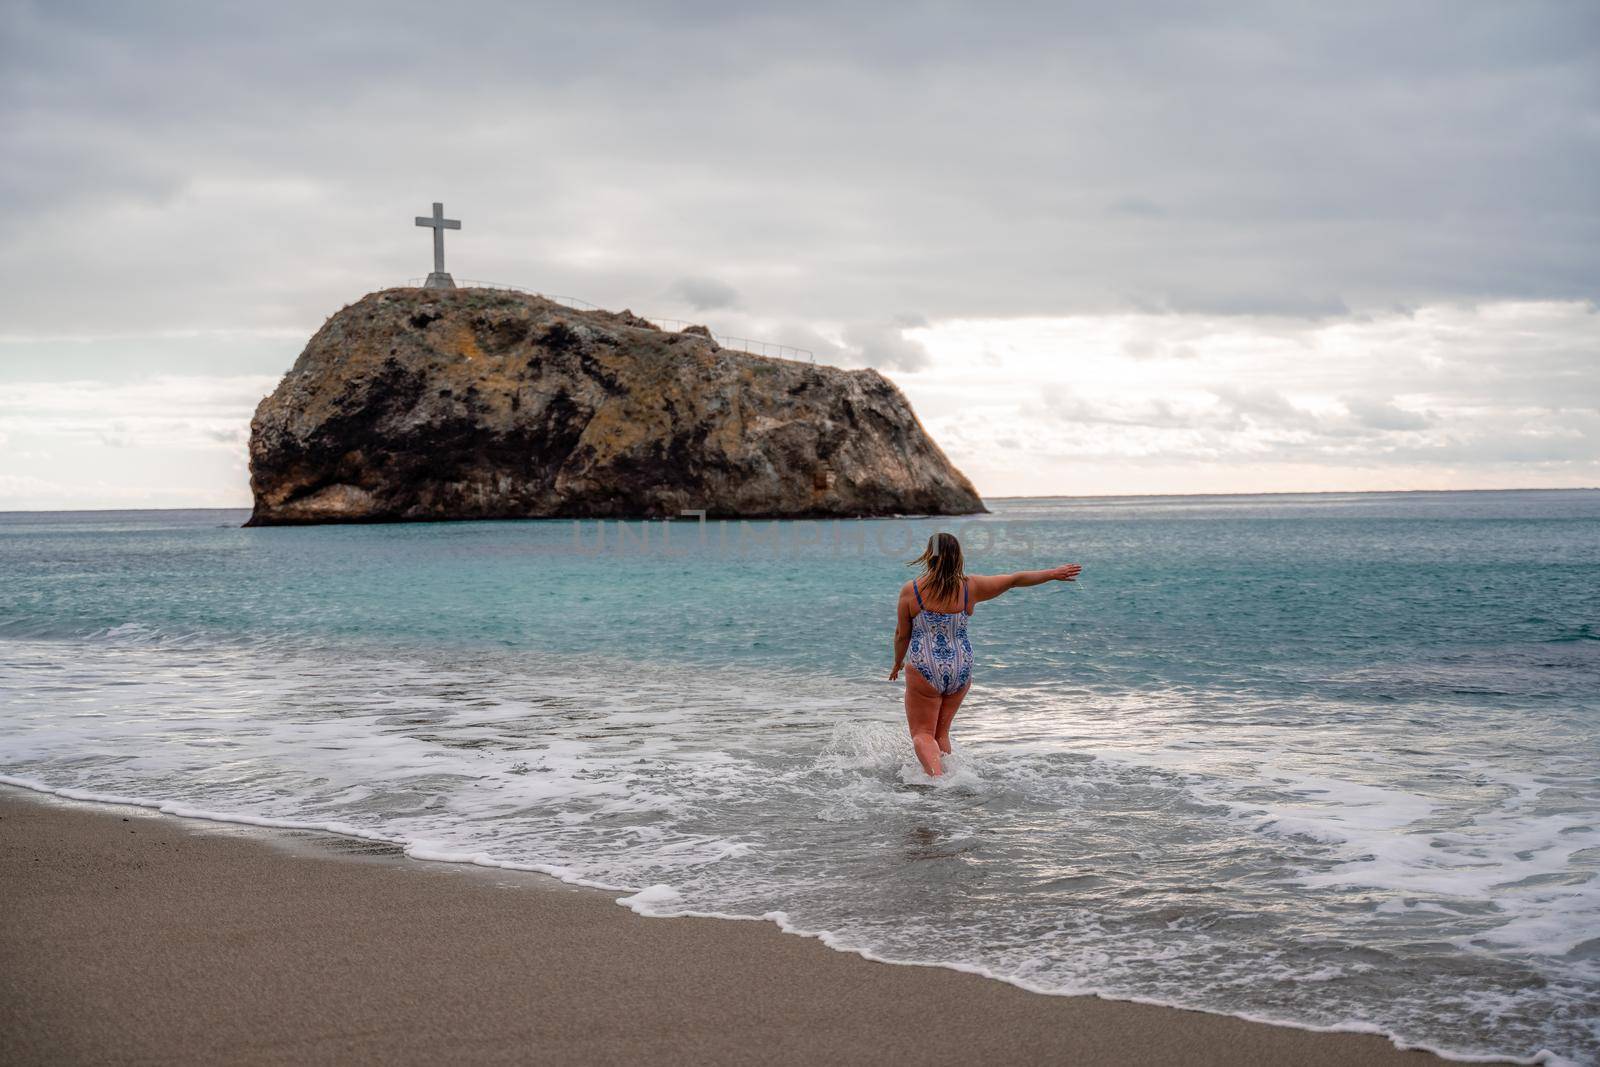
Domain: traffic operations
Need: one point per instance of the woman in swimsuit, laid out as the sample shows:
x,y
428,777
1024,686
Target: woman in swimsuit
x,y
932,636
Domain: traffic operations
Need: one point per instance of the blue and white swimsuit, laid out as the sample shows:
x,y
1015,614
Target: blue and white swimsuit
x,y
940,650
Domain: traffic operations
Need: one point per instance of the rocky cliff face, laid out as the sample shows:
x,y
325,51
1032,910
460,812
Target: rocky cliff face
x,y
417,405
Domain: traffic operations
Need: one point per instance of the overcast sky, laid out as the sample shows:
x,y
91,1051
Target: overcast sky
x,y
1103,248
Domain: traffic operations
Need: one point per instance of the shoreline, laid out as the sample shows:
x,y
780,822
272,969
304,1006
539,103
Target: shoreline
x,y
125,930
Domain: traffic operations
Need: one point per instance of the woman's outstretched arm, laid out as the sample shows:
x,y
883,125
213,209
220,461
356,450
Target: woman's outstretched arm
x,y
989,586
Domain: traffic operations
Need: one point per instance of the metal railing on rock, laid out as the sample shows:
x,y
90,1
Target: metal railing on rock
x,y
741,344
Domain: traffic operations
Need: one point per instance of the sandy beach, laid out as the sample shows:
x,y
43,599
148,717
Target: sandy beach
x,y
132,937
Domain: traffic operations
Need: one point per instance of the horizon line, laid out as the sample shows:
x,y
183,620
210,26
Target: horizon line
x,y
1043,496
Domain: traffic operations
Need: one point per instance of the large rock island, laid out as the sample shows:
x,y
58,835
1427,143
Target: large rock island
x,y
416,405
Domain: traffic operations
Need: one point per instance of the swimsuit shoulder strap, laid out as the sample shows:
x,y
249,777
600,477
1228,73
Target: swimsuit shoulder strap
x,y
917,591
964,605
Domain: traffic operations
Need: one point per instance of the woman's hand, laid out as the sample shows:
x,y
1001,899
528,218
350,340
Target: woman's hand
x,y
894,672
1067,572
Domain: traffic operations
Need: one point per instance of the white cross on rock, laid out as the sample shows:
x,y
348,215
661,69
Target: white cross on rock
x,y
438,223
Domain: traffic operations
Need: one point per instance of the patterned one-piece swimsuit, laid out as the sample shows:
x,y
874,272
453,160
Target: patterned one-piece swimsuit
x,y
940,650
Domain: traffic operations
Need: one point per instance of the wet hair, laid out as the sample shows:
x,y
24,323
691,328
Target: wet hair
x,y
942,572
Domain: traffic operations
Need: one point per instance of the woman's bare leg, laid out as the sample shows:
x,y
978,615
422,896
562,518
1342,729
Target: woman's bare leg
x,y
922,715
947,711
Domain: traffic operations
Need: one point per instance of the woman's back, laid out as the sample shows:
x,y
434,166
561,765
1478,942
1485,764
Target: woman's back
x,y
940,649
955,601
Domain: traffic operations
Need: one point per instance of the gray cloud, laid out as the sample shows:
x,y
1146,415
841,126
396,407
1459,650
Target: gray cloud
x,y
885,345
217,165
1263,405
704,294
1385,415
1148,348
1138,207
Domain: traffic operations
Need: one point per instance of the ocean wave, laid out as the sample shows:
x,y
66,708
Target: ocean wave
x,y
1166,845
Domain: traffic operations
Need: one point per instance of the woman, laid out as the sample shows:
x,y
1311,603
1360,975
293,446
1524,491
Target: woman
x,y
934,608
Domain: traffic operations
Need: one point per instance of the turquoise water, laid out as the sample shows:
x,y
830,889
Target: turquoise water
x,y
1330,760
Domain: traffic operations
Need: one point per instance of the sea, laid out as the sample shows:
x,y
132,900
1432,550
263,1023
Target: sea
x,y
1326,760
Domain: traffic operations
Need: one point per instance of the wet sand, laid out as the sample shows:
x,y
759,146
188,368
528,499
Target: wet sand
x,y
132,937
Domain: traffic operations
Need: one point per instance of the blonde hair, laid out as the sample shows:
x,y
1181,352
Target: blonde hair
x,y
942,572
